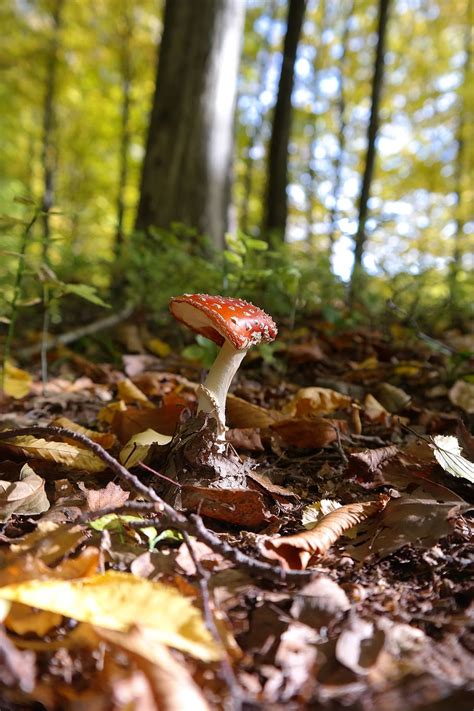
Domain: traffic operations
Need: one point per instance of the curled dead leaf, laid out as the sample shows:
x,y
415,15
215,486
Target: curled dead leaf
x,y
106,439
25,496
296,552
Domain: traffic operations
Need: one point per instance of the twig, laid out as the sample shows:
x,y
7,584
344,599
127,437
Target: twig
x,y
226,667
193,525
100,325
159,474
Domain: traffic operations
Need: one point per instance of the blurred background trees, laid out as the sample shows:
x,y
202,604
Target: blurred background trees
x,y
349,149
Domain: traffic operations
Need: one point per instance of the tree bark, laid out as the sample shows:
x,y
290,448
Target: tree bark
x,y
48,151
373,127
276,203
125,135
186,174
341,111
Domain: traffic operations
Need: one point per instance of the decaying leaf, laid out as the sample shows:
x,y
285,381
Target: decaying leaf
x,y
447,452
369,461
240,507
16,382
25,496
63,453
49,541
310,432
315,512
131,421
138,446
118,601
309,402
295,552
319,602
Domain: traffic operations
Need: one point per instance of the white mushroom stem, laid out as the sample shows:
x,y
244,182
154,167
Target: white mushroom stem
x,y
212,394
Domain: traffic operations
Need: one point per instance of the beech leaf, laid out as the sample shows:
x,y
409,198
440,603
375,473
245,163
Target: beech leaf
x,y
139,445
447,452
16,382
60,452
297,551
117,601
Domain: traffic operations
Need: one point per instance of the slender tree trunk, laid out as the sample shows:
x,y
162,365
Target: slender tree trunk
x,y
276,204
255,132
341,116
188,161
377,84
48,152
125,134
457,256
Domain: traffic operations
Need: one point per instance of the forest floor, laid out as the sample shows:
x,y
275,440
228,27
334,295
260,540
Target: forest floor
x,y
325,566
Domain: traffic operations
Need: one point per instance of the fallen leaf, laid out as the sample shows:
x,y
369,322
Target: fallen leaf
x,y
309,402
248,438
117,601
23,620
408,519
359,645
26,496
50,541
240,507
173,686
138,446
462,395
112,495
314,512
158,347
106,439
309,432
243,414
447,453
63,453
133,420
296,552
392,398
16,382
130,393
319,602
375,412
370,460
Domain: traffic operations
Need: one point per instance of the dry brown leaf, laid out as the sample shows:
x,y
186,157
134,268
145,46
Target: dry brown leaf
x,y
25,496
240,507
59,452
309,432
106,439
243,414
392,398
295,552
248,438
133,420
369,461
112,495
49,541
309,402
130,393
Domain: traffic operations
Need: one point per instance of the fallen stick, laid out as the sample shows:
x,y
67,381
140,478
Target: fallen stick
x,y
64,339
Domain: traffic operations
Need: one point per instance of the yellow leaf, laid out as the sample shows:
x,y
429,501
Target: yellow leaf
x,y
22,619
309,402
16,382
158,347
107,413
128,392
241,413
139,445
106,439
117,601
60,452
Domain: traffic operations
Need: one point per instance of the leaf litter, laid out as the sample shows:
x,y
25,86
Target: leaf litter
x,y
320,562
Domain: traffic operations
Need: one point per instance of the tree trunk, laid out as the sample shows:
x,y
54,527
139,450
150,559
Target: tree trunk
x,y
341,114
125,135
377,84
455,266
188,161
276,207
48,151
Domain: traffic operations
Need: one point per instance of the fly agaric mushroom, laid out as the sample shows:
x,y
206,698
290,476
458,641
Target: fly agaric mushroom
x,y
234,324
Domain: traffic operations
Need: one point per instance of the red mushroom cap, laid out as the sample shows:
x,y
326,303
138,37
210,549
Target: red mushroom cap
x,y
223,318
